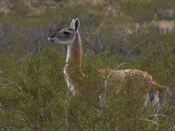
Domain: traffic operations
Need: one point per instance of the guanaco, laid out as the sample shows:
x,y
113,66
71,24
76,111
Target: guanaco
x,y
71,37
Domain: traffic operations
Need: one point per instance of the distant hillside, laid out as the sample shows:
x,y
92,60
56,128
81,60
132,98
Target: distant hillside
x,y
34,6
161,8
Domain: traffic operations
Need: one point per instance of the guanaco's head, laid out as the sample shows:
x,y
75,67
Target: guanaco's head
x,y
66,35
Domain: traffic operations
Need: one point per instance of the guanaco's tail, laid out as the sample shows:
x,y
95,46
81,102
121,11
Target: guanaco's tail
x,y
161,88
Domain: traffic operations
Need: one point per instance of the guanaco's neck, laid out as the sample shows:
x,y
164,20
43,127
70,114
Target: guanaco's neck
x,y
74,52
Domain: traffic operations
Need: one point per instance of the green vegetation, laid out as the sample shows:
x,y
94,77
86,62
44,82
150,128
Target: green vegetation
x,y
33,91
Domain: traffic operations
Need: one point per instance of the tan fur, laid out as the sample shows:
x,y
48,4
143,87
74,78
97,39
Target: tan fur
x,y
112,77
76,52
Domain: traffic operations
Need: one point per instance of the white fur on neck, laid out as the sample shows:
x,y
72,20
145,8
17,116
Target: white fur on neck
x,y
69,49
69,84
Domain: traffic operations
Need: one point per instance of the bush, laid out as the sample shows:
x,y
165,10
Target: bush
x,y
33,91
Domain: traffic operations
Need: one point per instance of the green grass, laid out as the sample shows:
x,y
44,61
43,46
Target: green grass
x,y
33,91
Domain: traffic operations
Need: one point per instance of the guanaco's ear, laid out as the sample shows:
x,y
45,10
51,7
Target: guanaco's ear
x,y
72,23
76,24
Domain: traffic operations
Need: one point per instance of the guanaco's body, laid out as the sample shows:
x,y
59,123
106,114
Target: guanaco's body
x,y
71,37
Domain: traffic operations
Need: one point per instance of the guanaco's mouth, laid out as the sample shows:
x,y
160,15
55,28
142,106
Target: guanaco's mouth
x,y
51,39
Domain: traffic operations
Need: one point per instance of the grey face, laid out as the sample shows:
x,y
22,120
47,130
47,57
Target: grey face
x,y
65,36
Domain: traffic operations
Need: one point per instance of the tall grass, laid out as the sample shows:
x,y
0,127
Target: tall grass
x,y
33,91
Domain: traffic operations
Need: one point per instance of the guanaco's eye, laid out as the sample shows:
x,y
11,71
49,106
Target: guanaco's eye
x,y
66,32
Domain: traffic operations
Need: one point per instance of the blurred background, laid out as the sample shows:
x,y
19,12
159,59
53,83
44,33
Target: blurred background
x,y
140,33
114,25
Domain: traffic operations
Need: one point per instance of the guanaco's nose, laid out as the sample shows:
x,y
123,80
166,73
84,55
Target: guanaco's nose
x,y
51,38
